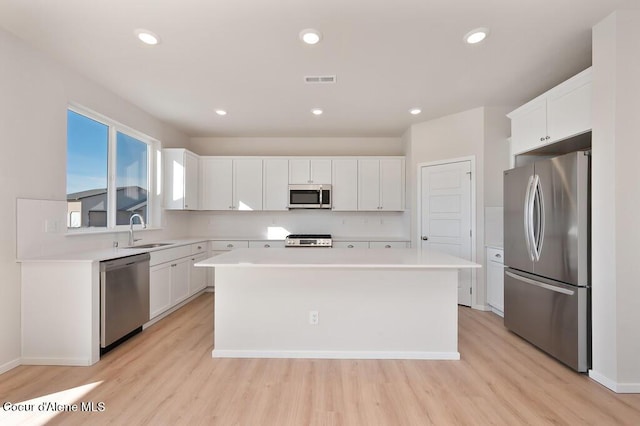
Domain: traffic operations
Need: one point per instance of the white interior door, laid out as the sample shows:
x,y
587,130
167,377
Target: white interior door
x,y
446,215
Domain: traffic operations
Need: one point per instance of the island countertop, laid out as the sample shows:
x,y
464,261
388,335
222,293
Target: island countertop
x,y
338,258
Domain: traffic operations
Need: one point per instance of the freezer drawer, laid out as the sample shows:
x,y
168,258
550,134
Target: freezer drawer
x,y
551,315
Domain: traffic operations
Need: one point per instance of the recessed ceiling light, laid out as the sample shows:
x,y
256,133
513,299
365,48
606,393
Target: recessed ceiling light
x,y
316,111
476,36
221,112
415,111
147,37
310,36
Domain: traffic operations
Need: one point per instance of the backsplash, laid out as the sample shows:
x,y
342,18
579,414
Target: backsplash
x,y
276,225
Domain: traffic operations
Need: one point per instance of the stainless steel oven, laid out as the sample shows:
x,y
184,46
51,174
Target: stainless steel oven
x,y
309,196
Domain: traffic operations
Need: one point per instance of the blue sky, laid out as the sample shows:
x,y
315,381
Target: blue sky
x,y
87,153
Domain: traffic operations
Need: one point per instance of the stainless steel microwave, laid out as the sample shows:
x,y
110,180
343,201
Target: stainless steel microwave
x,y
309,196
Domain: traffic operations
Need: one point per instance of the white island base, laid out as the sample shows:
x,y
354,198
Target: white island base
x,y
370,304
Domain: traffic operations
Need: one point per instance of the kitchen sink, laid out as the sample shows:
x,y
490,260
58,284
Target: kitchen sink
x,y
150,245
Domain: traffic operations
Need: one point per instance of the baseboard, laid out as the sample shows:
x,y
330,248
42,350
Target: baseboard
x,y
56,361
10,365
222,353
481,307
614,386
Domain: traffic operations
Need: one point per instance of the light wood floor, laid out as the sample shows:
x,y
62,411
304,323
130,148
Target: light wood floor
x,y
166,376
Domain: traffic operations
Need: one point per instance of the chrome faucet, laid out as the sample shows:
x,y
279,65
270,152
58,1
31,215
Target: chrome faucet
x,y
144,225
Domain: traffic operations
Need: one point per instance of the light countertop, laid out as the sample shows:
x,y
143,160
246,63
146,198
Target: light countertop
x,y
109,253
337,258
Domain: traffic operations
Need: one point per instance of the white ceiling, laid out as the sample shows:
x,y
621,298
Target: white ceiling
x,y
245,56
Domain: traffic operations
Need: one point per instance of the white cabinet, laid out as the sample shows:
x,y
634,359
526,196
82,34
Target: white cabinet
x,y
275,181
388,244
303,171
231,184
344,186
159,289
495,280
216,182
180,179
381,184
171,276
266,244
351,244
560,113
198,279
180,280
198,276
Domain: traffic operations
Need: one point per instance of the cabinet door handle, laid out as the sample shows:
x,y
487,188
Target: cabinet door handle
x,y
425,238
548,137
498,255
173,265
542,139
267,246
229,245
387,246
350,246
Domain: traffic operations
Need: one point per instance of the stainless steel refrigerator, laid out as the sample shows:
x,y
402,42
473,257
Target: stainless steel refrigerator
x,y
547,256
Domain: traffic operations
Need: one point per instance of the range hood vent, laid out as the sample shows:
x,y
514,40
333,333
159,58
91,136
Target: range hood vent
x,y
319,79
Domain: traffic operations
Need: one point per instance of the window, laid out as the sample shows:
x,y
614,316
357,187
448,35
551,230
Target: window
x,y
108,172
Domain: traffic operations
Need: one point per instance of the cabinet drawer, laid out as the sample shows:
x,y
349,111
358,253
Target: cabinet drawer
x,y
388,244
350,244
167,255
495,255
266,244
228,245
200,247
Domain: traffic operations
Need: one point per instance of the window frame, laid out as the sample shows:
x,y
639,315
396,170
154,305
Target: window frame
x,y
154,161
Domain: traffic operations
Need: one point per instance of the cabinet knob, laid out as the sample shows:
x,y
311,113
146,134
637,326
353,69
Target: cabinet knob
x,y
548,137
267,246
541,139
350,246
425,238
387,246
229,245
498,255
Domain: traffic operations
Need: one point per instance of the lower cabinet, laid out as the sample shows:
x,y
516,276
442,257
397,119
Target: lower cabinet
x,y
495,280
198,278
159,289
173,277
370,244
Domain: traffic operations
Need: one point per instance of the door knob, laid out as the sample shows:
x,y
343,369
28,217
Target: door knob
x,y
425,238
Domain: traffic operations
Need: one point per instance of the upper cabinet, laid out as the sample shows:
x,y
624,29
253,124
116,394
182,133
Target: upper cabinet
x,y
345,185
312,170
381,184
180,179
231,184
558,114
275,180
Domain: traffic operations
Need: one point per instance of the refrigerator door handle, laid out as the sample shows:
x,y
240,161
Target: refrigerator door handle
x,y
539,284
539,228
529,236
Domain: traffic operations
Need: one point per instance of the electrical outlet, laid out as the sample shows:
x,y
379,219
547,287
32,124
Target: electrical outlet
x,y
313,317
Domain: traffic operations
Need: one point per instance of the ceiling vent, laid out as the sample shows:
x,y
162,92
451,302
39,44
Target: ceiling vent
x,y
319,79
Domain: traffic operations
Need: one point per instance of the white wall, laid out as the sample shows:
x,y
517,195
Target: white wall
x,y
35,94
478,132
616,202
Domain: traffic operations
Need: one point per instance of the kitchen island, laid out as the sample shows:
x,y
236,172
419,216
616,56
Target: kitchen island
x,y
336,303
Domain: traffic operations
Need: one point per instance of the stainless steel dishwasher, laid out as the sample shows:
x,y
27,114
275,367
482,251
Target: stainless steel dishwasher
x,y
124,298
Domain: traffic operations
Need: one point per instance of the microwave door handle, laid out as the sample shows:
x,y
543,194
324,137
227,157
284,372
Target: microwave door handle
x,y
320,190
